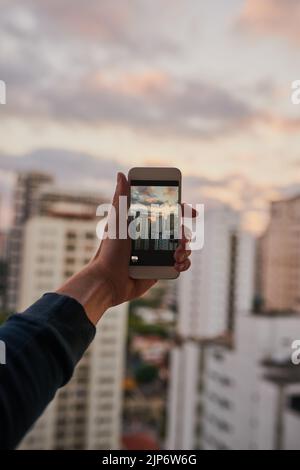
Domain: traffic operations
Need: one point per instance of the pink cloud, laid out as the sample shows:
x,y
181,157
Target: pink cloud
x,y
271,17
101,20
134,84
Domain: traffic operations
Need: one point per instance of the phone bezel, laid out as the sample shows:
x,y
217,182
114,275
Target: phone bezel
x,y
157,173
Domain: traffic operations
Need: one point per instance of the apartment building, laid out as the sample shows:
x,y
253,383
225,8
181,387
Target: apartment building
x,y
36,194
251,392
219,283
281,257
86,413
26,196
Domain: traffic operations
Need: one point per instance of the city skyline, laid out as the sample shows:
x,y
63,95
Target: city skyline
x,y
157,232
95,88
157,210
215,316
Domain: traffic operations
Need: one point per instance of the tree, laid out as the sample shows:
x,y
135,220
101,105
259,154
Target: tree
x,y
146,373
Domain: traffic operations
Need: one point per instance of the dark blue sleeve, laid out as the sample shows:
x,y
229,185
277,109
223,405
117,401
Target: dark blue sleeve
x,y
43,345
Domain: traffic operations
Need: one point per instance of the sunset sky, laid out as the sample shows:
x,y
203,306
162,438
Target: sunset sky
x,y
96,87
162,199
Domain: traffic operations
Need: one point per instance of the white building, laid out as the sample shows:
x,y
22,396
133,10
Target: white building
x,y
251,393
26,196
35,194
219,283
86,413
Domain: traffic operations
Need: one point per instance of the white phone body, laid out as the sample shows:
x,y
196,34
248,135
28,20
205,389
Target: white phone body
x,y
158,175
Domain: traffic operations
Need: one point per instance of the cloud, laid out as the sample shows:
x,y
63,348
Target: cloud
x,y
141,83
69,168
240,193
165,104
89,64
271,17
281,124
84,171
149,99
112,25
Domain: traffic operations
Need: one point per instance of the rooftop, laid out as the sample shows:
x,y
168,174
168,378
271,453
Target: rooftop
x,y
281,371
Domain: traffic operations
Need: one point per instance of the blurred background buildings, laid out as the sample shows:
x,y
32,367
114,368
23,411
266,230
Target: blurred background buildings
x,y
205,362
57,237
202,363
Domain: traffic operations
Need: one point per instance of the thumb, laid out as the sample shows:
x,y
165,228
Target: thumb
x,y
121,203
122,189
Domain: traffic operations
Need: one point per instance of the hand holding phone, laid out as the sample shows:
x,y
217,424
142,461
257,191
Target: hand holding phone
x,y
111,262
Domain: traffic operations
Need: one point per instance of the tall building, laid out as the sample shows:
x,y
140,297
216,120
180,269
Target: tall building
x,y
36,194
219,283
251,392
68,203
86,413
26,196
281,257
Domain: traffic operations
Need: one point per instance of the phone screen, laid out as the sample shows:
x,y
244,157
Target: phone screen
x,y
155,213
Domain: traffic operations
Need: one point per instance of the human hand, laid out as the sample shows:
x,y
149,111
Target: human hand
x,y
105,281
113,257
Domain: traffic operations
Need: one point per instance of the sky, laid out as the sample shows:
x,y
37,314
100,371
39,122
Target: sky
x,y
147,195
99,87
162,199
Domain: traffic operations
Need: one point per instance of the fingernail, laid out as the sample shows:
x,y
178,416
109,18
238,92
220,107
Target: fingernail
x,y
179,266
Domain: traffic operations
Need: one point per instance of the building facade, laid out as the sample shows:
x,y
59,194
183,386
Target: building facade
x,y
239,390
218,285
281,257
86,413
26,195
251,392
36,194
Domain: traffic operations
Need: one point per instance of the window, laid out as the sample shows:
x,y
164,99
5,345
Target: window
x,y
223,426
103,420
294,403
90,236
106,406
225,381
71,235
70,248
68,273
218,356
80,407
224,403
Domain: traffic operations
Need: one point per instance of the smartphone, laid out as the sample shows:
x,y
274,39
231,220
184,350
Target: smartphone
x,y
155,198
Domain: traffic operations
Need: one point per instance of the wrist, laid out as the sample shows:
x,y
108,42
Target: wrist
x,y
91,289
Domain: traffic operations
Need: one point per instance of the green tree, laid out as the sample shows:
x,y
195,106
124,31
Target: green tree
x,y
146,373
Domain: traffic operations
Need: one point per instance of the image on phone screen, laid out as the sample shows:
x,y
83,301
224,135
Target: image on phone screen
x,y
154,205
